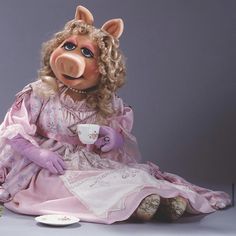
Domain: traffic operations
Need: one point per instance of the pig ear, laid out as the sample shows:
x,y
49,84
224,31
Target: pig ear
x,y
84,14
114,27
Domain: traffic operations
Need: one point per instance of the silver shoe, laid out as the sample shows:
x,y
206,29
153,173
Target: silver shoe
x,y
147,208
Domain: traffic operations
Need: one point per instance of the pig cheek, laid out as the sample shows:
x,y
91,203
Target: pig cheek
x,y
93,69
53,58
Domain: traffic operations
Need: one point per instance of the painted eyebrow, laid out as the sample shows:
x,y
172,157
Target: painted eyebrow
x,y
71,40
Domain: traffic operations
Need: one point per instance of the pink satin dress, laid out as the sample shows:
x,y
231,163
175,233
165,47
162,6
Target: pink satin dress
x,y
96,187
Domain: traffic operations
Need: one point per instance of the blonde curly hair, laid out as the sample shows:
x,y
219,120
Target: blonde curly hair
x,y
111,65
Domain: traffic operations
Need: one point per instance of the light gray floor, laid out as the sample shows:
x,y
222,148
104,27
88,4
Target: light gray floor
x,y
219,223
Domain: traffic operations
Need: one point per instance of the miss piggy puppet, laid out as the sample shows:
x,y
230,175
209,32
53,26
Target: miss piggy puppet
x,y
44,167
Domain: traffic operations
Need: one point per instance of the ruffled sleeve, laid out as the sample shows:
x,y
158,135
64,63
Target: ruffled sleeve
x,y
20,119
122,121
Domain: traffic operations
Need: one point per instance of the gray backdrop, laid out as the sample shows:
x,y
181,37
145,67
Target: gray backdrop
x,y
181,58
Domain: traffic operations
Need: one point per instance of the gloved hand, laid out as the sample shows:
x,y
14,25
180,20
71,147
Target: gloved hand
x,y
110,139
42,157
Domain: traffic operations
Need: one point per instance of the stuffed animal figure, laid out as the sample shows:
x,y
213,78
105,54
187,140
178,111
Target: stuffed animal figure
x,y
45,168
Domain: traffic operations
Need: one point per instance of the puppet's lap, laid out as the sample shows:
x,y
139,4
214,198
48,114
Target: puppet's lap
x,y
47,194
96,198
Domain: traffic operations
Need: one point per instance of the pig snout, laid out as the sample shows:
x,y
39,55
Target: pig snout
x,y
70,64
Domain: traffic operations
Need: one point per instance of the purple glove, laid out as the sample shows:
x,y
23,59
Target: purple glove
x,y
110,139
42,157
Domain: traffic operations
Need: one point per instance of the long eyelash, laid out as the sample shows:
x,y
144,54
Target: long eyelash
x,y
68,42
92,55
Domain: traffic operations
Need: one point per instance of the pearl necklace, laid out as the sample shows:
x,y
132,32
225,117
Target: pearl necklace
x,y
77,90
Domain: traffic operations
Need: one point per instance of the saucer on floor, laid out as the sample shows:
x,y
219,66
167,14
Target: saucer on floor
x,y
57,220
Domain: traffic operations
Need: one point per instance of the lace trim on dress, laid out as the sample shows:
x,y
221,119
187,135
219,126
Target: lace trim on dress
x,y
76,112
69,103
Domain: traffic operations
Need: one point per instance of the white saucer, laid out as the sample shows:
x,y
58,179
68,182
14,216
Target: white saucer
x,y
57,220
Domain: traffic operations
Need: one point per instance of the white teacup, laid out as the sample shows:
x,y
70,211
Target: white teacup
x,y
88,133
